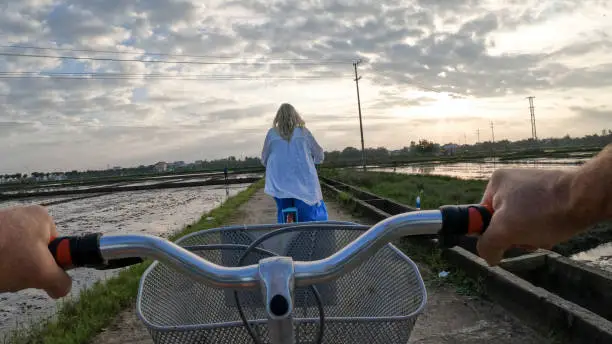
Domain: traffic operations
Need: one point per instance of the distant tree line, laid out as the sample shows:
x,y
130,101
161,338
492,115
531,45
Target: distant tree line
x,y
424,148
172,167
347,156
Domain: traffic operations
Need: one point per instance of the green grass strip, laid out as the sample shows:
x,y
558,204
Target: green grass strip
x,y
77,321
404,188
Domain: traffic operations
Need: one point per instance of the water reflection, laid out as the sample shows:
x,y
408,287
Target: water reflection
x,y
600,256
480,169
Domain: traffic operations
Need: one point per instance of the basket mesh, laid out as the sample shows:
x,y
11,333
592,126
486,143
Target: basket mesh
x,y
378,302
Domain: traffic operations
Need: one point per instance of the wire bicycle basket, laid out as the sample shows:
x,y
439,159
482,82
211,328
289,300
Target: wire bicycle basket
x,y
377,302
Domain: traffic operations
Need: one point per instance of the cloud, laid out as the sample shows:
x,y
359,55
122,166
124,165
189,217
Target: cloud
x,y
601,114
430,69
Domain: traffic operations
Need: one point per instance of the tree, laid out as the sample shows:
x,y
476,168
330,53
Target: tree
x,y
351,153
425,146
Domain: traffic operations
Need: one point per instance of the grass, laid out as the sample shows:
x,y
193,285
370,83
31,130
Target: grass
x,y
347,201
77,321
404,188
433,190
431,257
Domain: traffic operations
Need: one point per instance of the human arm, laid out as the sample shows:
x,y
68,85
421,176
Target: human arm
x,y
541,208
265,152
25,260
318,155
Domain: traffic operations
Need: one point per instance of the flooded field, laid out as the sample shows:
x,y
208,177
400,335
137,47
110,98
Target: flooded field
x,y
480,170
158,212
150,182
128,186
600,257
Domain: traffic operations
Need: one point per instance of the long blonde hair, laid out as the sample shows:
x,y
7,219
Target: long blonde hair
x,y
286,120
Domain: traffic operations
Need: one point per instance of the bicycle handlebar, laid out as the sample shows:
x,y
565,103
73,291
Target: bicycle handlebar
x,y
114,251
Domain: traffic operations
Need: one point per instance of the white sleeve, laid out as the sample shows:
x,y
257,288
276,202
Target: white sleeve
x,y
317,152
265,152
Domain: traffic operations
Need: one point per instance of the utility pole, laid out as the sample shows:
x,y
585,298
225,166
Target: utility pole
x,y
464,139
492,144
357,77
534,134
478,134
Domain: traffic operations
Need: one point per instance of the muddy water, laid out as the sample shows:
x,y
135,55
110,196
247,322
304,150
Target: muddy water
x,y
600,256
147,181
157,212
37,200
480,170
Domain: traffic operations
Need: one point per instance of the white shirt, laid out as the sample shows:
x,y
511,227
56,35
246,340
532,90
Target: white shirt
x,y
290,166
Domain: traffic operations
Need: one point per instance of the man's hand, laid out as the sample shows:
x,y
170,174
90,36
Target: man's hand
x,y
531,208
25,260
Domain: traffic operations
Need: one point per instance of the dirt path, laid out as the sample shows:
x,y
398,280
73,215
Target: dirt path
x,y
448,317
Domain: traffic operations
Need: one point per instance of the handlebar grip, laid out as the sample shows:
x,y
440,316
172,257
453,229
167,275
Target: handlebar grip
x,y
459,220
84,251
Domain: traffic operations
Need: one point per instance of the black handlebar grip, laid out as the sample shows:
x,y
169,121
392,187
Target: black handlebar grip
x,y
84,251
77,251
460,220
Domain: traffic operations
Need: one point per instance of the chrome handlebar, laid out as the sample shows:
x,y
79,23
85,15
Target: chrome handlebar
x,y
111,251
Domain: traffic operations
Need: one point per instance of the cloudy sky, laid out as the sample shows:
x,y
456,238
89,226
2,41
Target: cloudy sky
x,y
81,85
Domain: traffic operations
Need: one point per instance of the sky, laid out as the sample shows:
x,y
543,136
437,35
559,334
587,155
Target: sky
x,y
430,69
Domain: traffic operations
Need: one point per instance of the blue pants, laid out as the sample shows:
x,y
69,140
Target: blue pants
x,y
306,213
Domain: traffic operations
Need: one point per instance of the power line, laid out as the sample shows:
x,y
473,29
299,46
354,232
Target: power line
x,y
104,125
195,127
160,77
111,59
163,54
282,61
141,74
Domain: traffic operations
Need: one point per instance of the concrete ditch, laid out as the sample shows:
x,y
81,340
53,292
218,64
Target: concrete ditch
x,y
549,292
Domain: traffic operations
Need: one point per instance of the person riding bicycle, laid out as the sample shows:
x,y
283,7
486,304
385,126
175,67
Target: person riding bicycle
x,y
289,154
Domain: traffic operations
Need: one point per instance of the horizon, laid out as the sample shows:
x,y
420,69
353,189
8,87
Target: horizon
x,y
389,150
436,70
